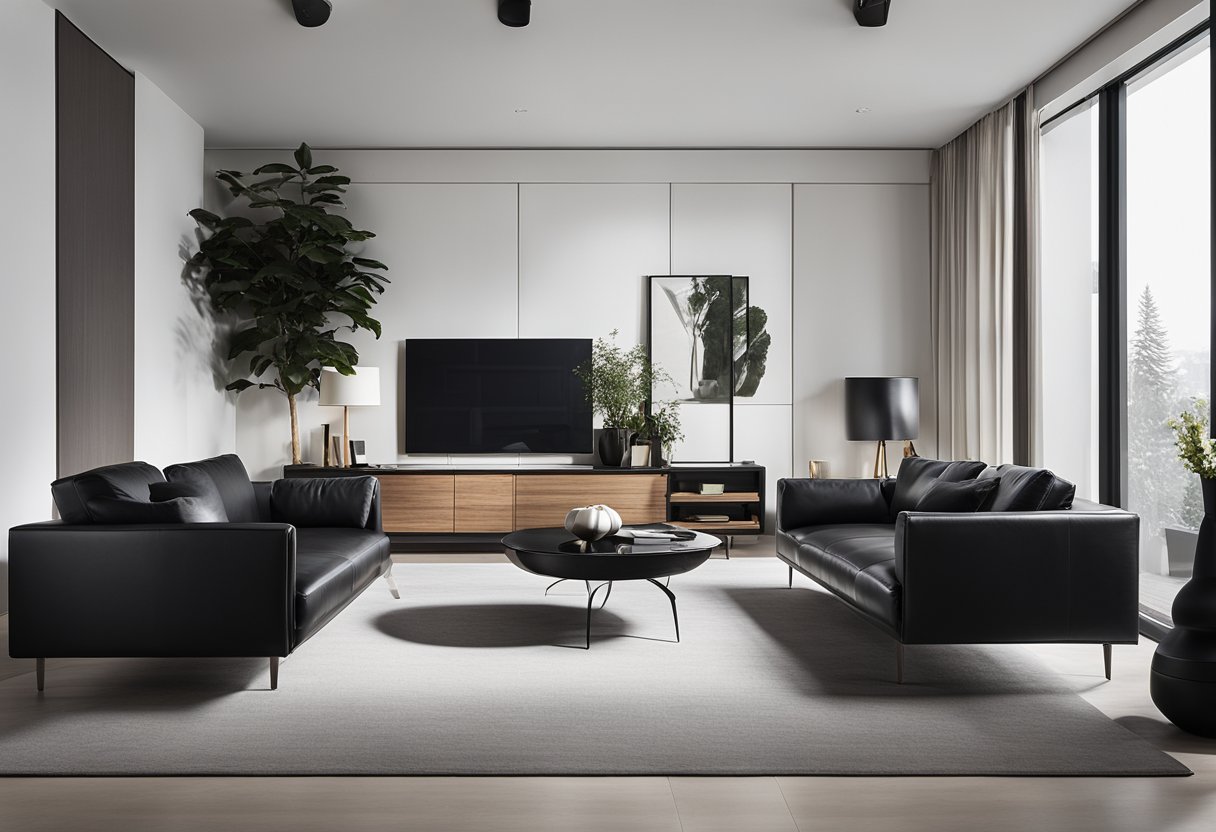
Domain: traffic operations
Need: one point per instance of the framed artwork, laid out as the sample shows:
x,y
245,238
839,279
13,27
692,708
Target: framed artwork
x,y
703,331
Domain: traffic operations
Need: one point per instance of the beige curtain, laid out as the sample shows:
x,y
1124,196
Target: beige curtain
x,y
973,216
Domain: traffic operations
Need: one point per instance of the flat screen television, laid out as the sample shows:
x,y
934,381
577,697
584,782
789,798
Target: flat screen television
x,y
496,395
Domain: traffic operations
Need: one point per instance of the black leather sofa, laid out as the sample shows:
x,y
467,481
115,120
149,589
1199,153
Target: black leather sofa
x,y
1016,561
203,563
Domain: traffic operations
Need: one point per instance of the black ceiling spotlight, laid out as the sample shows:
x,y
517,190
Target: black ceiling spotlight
x,y
514,13
871,12
312,13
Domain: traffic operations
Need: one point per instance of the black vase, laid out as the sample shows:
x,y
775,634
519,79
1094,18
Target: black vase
x,y
612,447
1183,680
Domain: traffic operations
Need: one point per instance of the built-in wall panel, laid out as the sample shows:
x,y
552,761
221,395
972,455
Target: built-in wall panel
x,y
851,251
452,257
861,302
764,434
584,252
27,238
742,230
182,411
95,126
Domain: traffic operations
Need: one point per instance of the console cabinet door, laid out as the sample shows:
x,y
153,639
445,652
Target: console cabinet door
x,y
418,502
543,499
485,502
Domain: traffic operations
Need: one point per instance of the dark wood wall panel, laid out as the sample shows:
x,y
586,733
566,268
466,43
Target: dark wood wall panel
x,y
95,183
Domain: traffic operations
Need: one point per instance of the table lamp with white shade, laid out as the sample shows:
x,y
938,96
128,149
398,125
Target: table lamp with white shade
x,y
360,390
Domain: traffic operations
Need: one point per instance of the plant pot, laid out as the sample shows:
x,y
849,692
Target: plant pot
x,y
639,456
657,460
1180,548
612,447
1183,679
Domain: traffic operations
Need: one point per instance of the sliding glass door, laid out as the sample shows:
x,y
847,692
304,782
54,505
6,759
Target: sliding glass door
x,y
1168,274
1124,315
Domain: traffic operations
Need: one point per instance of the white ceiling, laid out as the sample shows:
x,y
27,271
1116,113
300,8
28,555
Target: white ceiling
x,y
589,73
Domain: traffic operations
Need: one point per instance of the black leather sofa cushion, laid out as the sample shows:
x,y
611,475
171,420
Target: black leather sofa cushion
x,y
225,476
968,495
204,505
125,511
128,480
332,566
918,474
1030,489
332,502
822,501
856,561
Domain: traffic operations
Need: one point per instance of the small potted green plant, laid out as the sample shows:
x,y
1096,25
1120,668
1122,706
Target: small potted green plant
x,y
618,383
664,429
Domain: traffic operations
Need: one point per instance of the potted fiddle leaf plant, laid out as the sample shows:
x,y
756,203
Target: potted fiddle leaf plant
x,y
291,277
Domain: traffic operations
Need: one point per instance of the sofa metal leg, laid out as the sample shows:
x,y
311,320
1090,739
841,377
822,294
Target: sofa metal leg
x,y
1106,649
40,673
274,672
899,663
791,586
392,584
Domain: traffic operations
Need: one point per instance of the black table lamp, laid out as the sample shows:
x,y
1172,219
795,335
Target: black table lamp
x,y
882,408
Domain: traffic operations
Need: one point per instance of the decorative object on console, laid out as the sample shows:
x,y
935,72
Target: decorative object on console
x,y
358,453
882,408
818,469
360,388
592,522
712,488
618,382
303,253
1183,679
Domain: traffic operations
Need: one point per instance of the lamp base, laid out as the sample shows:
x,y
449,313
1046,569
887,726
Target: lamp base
x,y
880,460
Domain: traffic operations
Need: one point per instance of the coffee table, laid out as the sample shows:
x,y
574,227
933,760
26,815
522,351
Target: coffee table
x,y
556,553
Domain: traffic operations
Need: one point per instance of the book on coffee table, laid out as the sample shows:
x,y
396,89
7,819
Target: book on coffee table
x,y
654,532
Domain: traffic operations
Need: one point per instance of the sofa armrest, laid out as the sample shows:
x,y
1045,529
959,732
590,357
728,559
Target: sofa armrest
x,y
819,502
208,589
1034,576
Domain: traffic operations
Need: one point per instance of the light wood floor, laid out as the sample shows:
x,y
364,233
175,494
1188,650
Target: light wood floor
x,y
669,804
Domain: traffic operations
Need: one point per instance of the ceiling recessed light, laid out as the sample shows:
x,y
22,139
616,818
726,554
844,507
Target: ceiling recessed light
x,y
862,110
521,109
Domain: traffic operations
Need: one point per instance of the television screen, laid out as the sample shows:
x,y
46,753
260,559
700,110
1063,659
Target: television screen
x,y
496,395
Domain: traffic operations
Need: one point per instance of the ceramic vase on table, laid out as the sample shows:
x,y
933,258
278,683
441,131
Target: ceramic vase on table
x,y
592,522
612,446
1183,679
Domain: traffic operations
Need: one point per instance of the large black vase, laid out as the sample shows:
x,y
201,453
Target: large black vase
x,y
1183,680
612,447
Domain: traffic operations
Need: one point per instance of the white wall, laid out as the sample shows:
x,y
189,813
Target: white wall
x,y
181,410
27,237
557,243
861,303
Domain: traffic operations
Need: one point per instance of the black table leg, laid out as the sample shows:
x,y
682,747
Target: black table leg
x,y
590,602
671,597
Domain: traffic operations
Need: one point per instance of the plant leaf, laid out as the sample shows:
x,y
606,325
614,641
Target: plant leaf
x,y
304,156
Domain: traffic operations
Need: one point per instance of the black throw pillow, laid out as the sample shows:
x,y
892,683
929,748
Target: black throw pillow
x,y
209,506
225,474
126,511
918,474
965,496
327,502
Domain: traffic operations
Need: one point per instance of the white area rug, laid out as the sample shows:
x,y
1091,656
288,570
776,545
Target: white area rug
x,y
475,671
